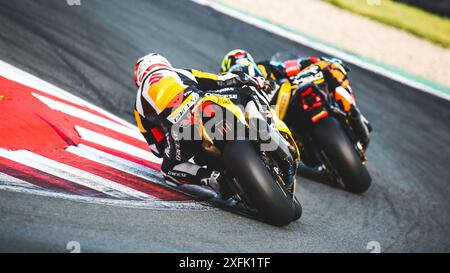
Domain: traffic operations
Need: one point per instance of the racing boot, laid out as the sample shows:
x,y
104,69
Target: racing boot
x,y
219,184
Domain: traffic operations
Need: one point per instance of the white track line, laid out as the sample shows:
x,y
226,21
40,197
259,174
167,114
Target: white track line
x,y
117,163
17,75
85,115
74,175
115,144
321,47
10,181
153,176
153,205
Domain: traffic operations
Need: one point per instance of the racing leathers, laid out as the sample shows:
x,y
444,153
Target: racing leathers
x,y
328,73
165,97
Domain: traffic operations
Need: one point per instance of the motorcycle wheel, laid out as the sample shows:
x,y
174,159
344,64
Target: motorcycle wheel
x,y
342,155
298,209
272,201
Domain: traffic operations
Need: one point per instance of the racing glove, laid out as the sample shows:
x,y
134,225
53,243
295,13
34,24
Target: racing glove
x,y
241,79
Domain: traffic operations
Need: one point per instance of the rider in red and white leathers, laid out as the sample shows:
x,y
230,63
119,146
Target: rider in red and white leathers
x,y
165,95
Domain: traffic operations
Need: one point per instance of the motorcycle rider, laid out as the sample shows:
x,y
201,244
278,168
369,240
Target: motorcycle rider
x,y
334,79
166,94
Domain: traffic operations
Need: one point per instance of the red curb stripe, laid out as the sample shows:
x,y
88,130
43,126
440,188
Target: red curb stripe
x,y
129,157
9,84
117,176
46,180
27,123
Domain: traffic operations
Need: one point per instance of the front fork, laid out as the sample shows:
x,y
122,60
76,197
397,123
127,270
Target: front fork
x,y
356,129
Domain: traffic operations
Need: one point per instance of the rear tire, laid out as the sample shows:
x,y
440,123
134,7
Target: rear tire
x,y
342,155
273,203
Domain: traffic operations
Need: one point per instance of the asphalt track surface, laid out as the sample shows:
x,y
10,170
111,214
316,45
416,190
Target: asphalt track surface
x,y
90,50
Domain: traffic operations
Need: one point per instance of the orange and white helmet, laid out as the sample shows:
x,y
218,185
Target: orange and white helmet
x,y
147,65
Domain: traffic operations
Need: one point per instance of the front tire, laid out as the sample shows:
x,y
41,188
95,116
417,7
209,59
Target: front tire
x,y
273,202
342,155
298,210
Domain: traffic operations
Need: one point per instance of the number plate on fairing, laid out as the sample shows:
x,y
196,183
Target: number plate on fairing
x,y
311,74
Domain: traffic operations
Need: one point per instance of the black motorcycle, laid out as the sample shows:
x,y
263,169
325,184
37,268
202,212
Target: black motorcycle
x,y
330,140
327,139
261,178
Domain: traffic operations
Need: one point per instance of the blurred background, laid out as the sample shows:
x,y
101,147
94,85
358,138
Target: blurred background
x,y
440,7
407,36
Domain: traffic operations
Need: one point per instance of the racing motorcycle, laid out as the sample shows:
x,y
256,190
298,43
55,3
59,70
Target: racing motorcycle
x,y
326,135
261,178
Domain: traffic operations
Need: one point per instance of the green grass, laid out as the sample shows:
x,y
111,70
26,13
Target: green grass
x,y
416,21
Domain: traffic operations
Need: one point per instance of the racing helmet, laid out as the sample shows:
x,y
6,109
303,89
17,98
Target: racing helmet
x,y
240,60
147,65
